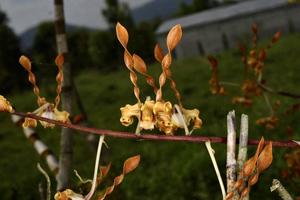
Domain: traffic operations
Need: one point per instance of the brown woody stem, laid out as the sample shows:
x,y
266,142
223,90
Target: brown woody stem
x,y
119,134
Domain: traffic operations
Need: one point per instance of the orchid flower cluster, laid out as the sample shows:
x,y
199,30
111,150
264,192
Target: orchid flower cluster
x,y
156,113
253,84
45,109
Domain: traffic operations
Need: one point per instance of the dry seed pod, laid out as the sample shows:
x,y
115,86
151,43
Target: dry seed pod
x,y
265,158
174,36
158,53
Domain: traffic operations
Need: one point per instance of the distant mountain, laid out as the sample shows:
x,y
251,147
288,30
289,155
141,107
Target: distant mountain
x,y
27,37
163,9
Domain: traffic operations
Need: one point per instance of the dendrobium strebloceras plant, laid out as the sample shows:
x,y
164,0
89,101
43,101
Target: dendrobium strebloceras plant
x,y
156,113
46,109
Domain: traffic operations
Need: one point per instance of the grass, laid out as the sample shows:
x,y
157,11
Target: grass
x,y
168,170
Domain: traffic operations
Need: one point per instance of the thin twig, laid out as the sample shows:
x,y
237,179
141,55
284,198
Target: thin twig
x,y
267,100
119,134
214,162
47,179
229,84
283,193
231,161
281,93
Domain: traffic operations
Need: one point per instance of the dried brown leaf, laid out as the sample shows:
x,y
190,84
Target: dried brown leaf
x,y
139,64
122,34
265,158
131,163
25,62
158,53
174,37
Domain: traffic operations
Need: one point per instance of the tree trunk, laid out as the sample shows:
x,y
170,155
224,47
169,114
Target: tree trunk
x,y
65,158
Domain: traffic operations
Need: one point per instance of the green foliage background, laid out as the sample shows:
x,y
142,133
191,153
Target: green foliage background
x,y
168,170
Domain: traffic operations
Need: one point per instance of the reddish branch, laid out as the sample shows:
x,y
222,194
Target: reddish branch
x,y
119,134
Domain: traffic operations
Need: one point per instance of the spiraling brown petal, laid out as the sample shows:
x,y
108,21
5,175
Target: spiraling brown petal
x,y
131,163
158,53
174,37
265,158
139,64
253,179
25,62
122,34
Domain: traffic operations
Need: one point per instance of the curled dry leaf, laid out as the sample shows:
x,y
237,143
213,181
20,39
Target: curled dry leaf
x,y
158,53
25,62
174,36
139,64
122,34
265,158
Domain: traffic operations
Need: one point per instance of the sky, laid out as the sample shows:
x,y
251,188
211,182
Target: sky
x,y
24,14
